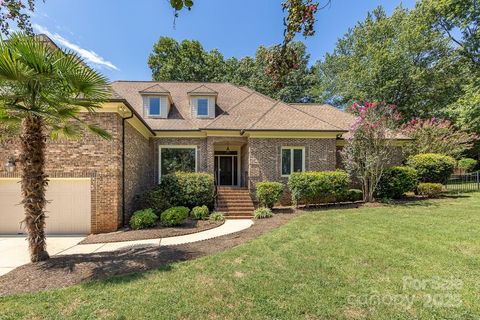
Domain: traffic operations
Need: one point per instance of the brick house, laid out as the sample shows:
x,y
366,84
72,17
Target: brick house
x,y
240,136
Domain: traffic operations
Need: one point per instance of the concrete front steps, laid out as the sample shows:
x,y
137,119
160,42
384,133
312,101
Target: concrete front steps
x,y
235,202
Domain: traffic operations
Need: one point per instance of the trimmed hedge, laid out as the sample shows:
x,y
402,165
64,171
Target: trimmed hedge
x,y
174,216
351,195
200,213
188,189
467,164
431,190
269,193
142,219
432,167
262,213
396,181
318,187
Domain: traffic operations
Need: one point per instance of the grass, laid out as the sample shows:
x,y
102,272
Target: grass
x,y
336,264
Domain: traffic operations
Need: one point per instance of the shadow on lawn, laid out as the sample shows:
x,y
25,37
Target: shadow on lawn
x,y
100,266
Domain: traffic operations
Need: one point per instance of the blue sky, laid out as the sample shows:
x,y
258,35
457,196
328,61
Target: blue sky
x,y
116,36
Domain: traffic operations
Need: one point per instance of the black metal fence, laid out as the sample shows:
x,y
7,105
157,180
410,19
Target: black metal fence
x,y
464,182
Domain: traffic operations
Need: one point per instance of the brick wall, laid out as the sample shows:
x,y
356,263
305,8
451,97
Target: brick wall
x,y
88,156
265,158
139,168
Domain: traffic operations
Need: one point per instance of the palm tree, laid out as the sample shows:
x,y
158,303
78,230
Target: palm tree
x,y
43,89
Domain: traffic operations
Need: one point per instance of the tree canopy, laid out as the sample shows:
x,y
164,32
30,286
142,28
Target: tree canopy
x,y
189,61
396,59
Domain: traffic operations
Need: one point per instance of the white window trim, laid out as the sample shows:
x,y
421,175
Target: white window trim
x,y
166,146
291,158
208,107
148,107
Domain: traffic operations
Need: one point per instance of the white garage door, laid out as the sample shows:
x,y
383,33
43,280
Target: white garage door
x,y
68,211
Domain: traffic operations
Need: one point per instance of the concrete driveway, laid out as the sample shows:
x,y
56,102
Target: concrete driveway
x,y
14,249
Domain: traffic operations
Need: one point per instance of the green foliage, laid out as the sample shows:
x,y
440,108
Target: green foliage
x,y
436,136
269,193
188,189
154,199
396,181
143,219
262,213
318,187
200,213
355,195
430,189
174,216
467,164
396,59
465,110
189,61
217,216
432,167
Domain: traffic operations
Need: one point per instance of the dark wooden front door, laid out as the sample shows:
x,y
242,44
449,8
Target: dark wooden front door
x,y
226,170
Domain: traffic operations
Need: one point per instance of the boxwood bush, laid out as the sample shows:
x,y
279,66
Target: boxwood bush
x,y
432,167
174,216
269,193
467,164
396,181
262,213
188,189
142,219
318,187
429,189
351,195
200,213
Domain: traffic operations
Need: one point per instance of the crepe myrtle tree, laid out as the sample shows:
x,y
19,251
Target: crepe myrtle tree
x,y
42,91
369,147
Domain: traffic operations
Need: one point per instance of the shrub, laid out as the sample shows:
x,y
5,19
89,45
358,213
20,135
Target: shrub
x,y
467,164
317,187
154,199
200,213
262,213
142,219
355,195
174,216
188,189
429,189
432,167
217,216
269,193
396,181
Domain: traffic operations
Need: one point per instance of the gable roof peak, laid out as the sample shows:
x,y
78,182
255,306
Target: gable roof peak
x,y
203,89
156,88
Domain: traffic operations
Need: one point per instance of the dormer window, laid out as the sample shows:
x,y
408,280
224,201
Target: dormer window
x,y
202,107
154,107
156,102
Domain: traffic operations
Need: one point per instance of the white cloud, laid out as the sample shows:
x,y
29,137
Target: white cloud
x,y
88,55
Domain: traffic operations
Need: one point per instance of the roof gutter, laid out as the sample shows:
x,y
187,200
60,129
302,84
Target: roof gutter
x,y
134,113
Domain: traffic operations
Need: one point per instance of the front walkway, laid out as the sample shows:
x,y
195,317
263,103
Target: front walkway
x,y
14,250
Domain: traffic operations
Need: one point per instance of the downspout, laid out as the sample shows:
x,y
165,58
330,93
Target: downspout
x,y
123,166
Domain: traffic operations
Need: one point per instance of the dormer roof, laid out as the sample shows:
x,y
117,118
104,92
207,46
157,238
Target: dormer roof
x,y
155,89
203,90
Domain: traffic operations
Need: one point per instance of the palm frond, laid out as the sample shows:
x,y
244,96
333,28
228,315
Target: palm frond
x,y
99,131
68,131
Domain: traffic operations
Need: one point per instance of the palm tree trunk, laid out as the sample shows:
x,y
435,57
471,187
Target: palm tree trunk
x,y
34,183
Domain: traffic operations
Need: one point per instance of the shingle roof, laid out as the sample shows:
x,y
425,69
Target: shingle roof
x,y
237,108
155,89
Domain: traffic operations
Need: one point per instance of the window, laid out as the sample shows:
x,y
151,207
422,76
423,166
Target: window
x,y
154,106
293,160
202,107
178,158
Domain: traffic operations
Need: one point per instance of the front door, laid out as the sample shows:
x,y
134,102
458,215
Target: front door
x,y
225,167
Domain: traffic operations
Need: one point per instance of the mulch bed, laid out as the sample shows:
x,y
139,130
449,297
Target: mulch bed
x,y
188,227
64,271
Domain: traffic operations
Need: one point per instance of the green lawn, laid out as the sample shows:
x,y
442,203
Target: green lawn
x,y
336,264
